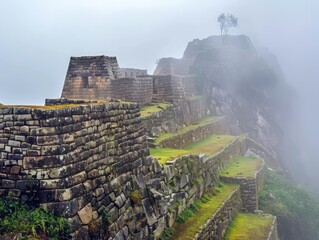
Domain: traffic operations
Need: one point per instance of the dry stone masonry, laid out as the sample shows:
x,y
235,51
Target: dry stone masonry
x,y
87,160
99,77
86,155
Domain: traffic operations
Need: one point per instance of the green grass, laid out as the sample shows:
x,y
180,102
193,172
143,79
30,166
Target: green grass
x,y
165,154
188,229
242,167
211,144
188,128
149,110
296,208
19,218
248,226
208,146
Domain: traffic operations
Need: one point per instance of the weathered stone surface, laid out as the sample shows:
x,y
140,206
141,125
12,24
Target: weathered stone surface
x,y
86,214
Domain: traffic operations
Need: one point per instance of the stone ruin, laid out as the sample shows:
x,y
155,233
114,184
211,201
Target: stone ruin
x,y
85,154
100,78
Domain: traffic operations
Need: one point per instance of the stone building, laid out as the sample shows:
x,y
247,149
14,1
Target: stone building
x,y
100,78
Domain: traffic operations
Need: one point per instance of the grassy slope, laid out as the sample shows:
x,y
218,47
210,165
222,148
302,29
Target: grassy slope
x,y
190,127
188,229
209,146
149,110
247,226
242,167
297,210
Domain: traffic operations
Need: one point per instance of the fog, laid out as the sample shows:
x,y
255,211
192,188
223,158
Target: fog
x,y
39,36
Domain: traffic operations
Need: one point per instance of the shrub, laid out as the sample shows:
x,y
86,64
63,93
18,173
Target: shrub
x,y
136,197
296,208
19,218
167,234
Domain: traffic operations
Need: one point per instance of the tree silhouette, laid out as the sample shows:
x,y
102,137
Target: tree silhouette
x,y
226,22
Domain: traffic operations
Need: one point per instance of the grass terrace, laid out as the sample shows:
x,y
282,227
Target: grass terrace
x,y
204,211
195,97
188,128
242,167
150,109
209,146
248,226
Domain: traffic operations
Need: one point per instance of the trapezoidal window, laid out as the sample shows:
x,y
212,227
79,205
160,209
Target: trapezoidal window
x,y
85,81
154,87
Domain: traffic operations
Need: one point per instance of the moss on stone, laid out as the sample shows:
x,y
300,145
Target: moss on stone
x,y
150,109
206,209
194,125
247,226
242,167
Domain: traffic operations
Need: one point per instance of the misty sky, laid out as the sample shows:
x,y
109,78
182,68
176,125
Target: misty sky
x,y
39,36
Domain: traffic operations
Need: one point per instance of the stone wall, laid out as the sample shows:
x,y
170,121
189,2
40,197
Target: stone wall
x,y
218,126
77,161
89,161
89,77
216,227
139,89
132,72
273,235
249,188
170,88
174,117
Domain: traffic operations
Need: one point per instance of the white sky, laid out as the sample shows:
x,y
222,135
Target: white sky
x,y
38,36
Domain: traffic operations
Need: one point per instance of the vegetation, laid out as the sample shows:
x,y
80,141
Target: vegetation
x,y
247,226
165,154
209,146
188,128
194,217
242,167
296,208
136,197
167,234
18,218
148,110
226,22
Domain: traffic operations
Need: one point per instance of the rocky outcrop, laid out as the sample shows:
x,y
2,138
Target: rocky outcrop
x,y
245,86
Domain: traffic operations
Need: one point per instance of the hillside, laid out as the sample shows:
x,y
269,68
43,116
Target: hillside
x,y
182,154
240,83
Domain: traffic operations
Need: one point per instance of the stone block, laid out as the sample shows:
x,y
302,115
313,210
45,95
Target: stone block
x,y
86,214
